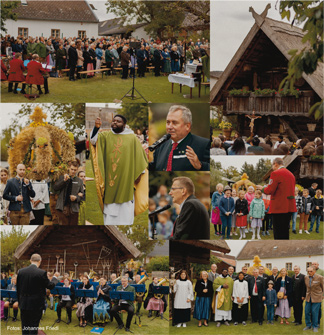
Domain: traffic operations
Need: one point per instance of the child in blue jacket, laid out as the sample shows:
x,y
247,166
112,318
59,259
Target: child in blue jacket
x,y
226,207
271,301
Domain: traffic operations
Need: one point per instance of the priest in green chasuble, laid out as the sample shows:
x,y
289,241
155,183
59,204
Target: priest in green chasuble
x,y
120,167
223,285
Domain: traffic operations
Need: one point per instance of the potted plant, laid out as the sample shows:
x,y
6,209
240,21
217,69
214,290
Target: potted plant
x,y
239,92
294,92
227,129
266,92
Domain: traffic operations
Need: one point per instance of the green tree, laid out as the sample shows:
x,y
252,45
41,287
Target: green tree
x,y
158,264
306,60
231,172
6,136
158,15
10,240
7,12
197,268
138,233
216,175
136,115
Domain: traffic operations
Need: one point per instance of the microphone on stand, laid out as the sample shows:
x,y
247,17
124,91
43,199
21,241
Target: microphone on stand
x,y
159,142
159,210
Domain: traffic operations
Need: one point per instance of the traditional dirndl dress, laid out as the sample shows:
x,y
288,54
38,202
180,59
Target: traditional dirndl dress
x,y
241,221
155,305
202,308
283,309
100,311
89,68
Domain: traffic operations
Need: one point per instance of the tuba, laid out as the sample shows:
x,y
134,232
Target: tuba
x,y
140,294
116,280
71,274
91,274
161,281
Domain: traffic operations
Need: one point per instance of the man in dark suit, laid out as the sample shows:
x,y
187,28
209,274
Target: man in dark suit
x,y
32,283
18,191
298,294
183,151
157,57
257,296
274,275
73,58
141,59
193,220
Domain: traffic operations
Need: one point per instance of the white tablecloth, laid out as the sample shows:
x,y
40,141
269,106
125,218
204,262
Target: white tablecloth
x,y
181,79
191,68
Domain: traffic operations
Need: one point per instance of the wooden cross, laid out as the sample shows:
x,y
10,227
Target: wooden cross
x,y
252,118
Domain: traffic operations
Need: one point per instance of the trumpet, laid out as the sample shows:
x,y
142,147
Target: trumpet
x,y
161,281
140,294
116,280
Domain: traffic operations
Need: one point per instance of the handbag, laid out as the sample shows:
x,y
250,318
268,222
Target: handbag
x,y
280,295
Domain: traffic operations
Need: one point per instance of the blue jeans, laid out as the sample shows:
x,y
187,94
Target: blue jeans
x,y
318,220
294,218
311,313
270,312
226,223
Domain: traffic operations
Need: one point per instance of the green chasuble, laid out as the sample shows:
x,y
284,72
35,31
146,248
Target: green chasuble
x,y
120,160
227,305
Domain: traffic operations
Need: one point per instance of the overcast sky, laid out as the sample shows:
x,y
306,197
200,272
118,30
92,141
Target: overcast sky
x,y
230,23
101,10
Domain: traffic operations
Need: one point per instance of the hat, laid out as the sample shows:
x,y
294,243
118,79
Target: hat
x,y
227,188
270,282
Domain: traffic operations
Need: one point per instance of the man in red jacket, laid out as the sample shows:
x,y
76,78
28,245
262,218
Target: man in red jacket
x,y
16,73
36,74
282,204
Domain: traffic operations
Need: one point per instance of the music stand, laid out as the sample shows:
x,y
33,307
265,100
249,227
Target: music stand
x,y
160,290
10,295
81,293
114,286
122,295
132,96
139,288
59,290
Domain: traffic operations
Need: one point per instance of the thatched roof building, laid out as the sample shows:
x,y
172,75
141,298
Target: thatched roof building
x,y
90,247
262,62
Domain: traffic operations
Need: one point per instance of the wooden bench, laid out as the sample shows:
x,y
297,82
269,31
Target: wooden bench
x,y
205,85
29,87
94,71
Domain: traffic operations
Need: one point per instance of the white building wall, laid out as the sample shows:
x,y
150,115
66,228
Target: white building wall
x,y
140,33
43,28
281,262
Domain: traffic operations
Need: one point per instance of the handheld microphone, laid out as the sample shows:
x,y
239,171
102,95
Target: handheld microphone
x,y
159,210
159,142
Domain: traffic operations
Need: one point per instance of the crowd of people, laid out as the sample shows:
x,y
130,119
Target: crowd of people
x,y
99,308
89,54
248,211
229,296
24,201
264,146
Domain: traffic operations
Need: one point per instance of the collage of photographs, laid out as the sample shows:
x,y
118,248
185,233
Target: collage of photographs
x,y
161,167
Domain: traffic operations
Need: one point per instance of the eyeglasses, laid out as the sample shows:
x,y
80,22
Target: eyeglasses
x,y
176,188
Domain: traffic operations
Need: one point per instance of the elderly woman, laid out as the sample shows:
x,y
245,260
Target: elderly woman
x,y
182,301
60,59
103,302
83,302
204,291
175,63
283,287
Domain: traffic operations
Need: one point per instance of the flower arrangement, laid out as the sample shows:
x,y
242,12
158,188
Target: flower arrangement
x,y
225,125
294,92
242,91
300,188
265,91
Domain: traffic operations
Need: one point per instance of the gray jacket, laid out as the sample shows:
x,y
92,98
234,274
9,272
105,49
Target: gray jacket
x,y
61,186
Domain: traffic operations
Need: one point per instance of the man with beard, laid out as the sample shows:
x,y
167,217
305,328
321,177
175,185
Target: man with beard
x,y
223,285
18,191
119,162
298,294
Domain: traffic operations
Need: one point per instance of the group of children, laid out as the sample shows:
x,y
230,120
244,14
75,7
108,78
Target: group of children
x,y
231,210
249,212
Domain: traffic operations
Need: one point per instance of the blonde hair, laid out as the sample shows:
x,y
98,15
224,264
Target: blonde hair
x,y
202,272
280,276
241,192
219,184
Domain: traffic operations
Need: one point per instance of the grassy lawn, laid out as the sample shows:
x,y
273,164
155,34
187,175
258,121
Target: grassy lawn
x,y
312,236
158,326
154,89
255,328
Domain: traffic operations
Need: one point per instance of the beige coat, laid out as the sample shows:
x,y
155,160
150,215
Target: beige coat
x,y
315,291
80,58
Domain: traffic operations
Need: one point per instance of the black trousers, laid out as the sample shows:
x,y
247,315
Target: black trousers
x,y
157,69
266,222
16,86
67,305
298,309
124,307
280,223
256,306
72,70
39,217
125,71
141,69
30,321
240,314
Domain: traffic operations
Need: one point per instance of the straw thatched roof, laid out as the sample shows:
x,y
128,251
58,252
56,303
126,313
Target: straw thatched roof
x,y
218,245
283,36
